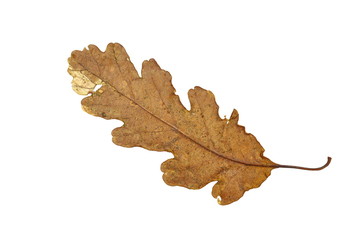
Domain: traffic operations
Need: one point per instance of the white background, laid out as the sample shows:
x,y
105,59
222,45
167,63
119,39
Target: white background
x,y
291,68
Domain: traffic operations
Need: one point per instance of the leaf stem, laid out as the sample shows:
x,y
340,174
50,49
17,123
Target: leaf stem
x,y
305,168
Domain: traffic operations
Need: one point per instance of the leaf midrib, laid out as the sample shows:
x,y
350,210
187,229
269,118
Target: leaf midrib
x,y
177,129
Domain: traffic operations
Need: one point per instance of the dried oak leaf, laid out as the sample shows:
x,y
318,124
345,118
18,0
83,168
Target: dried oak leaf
x,y
206,148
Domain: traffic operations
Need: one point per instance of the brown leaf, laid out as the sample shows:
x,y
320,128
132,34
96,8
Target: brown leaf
x,y
206,148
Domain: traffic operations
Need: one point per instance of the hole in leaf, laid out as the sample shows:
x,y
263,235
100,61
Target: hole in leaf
x,y
97,87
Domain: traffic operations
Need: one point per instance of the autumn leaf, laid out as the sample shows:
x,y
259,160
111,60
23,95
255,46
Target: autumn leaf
x,y
206,148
